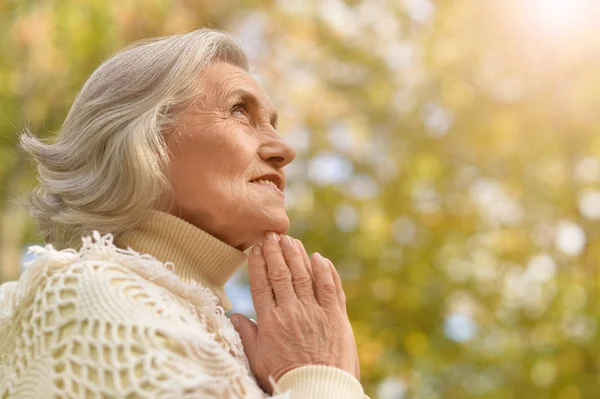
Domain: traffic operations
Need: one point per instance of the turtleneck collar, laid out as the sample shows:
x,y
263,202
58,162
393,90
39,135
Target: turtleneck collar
x,y
195,254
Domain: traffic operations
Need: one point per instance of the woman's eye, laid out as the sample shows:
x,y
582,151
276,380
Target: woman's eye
x,y
239,109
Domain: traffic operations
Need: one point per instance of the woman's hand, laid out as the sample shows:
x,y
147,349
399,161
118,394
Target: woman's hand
x,y
301,310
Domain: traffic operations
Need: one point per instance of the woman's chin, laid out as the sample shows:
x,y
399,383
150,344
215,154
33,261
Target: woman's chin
x,y
283,225
281,228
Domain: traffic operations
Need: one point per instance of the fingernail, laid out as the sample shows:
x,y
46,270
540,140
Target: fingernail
x,y
235,320
257,250
287,241
271,235
319,257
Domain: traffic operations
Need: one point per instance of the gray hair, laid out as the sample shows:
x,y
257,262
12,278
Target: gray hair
x,y
106,169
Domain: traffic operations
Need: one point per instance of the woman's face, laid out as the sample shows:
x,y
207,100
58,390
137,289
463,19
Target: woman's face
x,y
227,159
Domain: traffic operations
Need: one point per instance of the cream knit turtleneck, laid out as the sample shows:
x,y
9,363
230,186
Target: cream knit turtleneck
x,y
142,318
195,254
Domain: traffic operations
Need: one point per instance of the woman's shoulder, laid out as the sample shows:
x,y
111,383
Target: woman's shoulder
x,y
99,280
69,303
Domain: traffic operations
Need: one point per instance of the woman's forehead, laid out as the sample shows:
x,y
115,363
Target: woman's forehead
x,y
225,81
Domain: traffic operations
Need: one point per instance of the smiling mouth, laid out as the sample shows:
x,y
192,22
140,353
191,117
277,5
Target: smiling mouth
x,y
266,183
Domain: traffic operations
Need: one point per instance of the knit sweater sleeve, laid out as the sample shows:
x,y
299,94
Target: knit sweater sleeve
x,y
95,328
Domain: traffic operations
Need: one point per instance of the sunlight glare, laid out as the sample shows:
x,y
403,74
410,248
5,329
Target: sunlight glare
x,y
560,17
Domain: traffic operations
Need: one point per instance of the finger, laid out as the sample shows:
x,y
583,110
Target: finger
x,y
306,259
308,264
326,291
260,286
301,280
277,270
338,285
248,332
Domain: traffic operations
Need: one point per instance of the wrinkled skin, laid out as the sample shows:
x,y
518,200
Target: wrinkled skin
x,y
218,144
301,311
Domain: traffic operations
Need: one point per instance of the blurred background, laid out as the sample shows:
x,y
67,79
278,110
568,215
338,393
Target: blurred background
x,y
448,163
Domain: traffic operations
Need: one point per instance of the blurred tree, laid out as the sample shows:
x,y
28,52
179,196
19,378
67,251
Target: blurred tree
x,y
448,163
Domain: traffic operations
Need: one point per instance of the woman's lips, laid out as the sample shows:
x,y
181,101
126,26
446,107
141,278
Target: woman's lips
x,y
269,186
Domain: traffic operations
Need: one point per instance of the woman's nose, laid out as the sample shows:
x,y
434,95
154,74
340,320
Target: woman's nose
x,y
277,152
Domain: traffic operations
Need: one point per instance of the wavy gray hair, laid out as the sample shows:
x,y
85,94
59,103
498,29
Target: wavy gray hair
x,y
106,169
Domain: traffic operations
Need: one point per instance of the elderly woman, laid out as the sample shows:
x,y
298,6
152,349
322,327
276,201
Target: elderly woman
x,y
167,168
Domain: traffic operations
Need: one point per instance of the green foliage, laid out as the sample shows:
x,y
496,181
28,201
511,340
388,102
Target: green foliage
x,y
448,163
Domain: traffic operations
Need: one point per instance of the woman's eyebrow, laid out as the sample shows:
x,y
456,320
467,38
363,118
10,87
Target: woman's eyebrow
x,y
245,95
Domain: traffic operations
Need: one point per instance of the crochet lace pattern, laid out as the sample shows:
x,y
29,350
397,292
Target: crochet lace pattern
x,y
109,322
